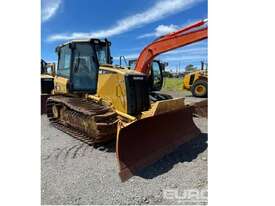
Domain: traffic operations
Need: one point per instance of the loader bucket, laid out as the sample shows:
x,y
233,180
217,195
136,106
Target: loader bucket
x,y
144,141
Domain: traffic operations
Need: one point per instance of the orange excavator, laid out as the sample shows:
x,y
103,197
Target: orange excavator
x,y
95,101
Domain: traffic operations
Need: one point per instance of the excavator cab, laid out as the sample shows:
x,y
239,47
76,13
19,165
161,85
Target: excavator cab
x,y
155,78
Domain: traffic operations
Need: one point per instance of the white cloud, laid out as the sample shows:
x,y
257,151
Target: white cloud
x,y
161,9
165,29
49,9
160,31
127,57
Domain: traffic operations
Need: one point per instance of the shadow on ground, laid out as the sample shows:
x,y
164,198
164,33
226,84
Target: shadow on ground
x,y
184,153
109,146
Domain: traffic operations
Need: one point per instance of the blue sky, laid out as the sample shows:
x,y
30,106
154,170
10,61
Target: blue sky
x,y
129,24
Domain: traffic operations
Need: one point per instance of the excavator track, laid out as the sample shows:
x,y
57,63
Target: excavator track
x,y
83,119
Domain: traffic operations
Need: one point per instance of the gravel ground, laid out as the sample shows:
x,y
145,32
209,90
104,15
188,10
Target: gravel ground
x,y
188,96
75,173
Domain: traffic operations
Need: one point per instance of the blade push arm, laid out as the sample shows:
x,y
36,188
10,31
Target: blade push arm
x,y
187,35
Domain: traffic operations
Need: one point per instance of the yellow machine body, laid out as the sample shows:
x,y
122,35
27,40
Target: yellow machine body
x,y
191,77
123,107
61,85
112,90
196,82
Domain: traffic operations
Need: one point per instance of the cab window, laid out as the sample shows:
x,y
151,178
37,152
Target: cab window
x,y
64,62
156,74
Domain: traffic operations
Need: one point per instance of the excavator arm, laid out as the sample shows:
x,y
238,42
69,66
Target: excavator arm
x,y
184,36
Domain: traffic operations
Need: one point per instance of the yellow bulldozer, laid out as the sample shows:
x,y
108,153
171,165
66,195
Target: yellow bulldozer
x,y
197,81
96,101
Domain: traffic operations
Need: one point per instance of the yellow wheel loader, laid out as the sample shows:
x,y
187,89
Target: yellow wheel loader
x,y
95,101
197,82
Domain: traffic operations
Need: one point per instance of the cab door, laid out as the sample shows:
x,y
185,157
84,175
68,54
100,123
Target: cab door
x,y
84,72
63,70
156,78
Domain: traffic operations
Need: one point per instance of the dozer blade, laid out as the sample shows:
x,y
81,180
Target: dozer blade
x,y
144,141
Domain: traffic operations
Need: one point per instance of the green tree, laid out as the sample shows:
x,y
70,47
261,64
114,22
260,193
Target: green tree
x,y
190,67
167,74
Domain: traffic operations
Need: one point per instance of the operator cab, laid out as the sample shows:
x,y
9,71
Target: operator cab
x,y
79,60
155,78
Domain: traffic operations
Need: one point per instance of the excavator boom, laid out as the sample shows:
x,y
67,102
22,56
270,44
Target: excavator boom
x,y
187,35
